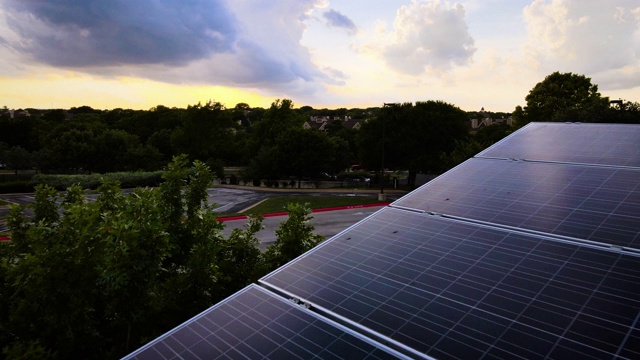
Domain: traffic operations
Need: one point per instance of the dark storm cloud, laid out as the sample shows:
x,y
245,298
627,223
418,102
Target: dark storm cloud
x,y
86,33
336,19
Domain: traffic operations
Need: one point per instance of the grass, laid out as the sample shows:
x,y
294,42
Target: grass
x,y
277,203
4,202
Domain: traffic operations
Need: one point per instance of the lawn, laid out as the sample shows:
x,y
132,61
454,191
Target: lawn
x,y
277,203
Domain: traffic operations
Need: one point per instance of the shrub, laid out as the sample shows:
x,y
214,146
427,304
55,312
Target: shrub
x,y
256,182
233,180
93,181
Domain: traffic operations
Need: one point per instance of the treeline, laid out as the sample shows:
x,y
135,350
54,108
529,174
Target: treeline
x,y
272,144
269,143
96,280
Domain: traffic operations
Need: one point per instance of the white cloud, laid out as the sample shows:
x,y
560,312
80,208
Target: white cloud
x,y
429,36
600,39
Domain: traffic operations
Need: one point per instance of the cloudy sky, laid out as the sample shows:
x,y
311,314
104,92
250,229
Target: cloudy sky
x,y
322,53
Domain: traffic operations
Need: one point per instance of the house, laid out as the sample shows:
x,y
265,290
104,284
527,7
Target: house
x,y
322,122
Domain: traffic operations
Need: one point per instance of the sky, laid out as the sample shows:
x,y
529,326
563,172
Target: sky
x,y
322,53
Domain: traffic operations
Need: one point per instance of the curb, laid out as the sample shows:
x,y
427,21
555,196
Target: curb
x,y
244,217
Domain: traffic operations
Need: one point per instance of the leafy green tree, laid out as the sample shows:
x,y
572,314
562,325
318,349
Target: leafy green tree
x,y
294,237
413,136
17,158
623,112
97,278
303,153
73,150
278,119
206,133
563,97
239,258
489,135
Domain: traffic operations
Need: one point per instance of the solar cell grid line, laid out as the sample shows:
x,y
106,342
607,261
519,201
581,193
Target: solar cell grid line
x,y
597,144
257,324
467,290
576,201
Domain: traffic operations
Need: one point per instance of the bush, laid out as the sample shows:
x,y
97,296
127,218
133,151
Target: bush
x,y
351,175
93,181
276,183
233,180
256,182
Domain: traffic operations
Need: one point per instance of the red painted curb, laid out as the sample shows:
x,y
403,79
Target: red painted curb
x,y
5,238
231,218
244,217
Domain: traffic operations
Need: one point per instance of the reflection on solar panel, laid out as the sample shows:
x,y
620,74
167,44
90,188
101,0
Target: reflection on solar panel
x,y
452,289
585,202
256,324
531,258
603,144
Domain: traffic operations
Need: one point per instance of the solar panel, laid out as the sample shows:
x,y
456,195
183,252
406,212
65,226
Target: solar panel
x,y
451,289
603,144
256,324
529,250
586,202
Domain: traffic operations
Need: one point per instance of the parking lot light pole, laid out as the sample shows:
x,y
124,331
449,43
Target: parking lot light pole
x,y
382,196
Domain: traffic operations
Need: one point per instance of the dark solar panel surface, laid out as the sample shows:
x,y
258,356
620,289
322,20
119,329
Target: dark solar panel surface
x,y
457,290
603,144
594,203
255,324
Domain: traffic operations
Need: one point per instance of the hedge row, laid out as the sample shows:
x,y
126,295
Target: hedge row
x,y
93,181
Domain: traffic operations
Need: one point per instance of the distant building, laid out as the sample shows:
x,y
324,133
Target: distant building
x,y
486,119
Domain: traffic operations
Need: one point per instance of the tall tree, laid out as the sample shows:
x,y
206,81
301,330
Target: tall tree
x,y
206,133
563,97
303,153
413,136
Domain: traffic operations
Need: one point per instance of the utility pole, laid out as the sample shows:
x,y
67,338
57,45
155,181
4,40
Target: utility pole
x,y
382,196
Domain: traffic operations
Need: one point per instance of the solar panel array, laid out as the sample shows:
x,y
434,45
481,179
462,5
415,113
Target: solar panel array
x,y
256,324
529,250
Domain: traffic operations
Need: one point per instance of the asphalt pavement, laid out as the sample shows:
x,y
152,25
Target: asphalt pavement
x,y
236,198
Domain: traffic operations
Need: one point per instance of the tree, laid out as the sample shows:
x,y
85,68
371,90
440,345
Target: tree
x,y
17,158
206,133
101,277
294,237
623,112
413,136
279,118
563,97
303,153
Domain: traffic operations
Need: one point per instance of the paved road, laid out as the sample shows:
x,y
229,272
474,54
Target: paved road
x,y
234,199
326,224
